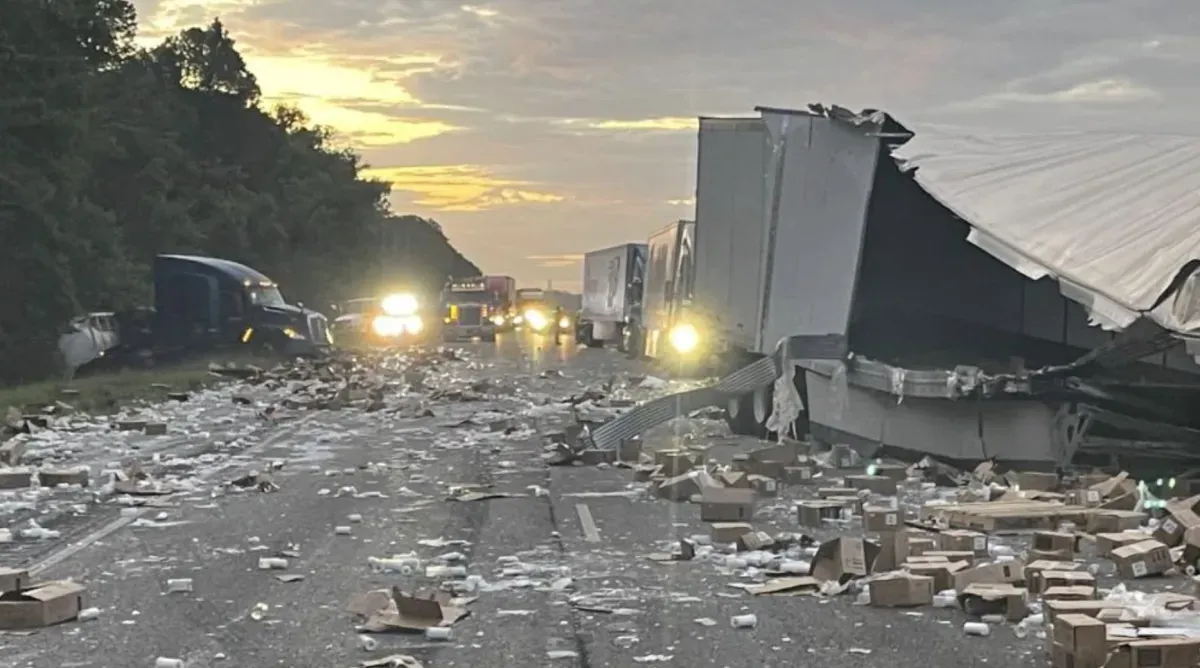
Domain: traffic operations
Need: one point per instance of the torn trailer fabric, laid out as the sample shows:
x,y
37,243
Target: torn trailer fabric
x,y
1115,218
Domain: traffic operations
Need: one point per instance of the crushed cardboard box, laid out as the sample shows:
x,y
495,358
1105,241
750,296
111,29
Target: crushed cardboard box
x,y
397,611
28,605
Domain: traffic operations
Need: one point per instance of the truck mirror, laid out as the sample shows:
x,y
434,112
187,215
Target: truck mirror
x,y
300,304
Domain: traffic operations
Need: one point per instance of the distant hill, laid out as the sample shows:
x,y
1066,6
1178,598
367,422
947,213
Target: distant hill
x,y
416,251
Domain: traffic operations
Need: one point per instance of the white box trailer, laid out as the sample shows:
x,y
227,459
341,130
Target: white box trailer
x,y
612,293
670,258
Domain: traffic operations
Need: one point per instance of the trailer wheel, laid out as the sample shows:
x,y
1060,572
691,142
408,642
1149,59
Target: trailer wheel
x,y
739,415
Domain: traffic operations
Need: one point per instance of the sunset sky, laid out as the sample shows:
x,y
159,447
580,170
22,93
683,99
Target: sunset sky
x,y
535,130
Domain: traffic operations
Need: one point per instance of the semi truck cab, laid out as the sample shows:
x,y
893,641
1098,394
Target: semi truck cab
x,y
468,311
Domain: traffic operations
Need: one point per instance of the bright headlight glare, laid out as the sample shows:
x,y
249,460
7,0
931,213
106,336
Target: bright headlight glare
x,y
497,320
684,337
536,319
413,324
399,304
386,325
564,322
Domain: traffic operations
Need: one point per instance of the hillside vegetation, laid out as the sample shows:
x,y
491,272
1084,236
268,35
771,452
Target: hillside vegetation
x,y
110,154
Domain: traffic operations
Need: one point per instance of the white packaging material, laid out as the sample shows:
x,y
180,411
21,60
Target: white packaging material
x,y
977,629
743,621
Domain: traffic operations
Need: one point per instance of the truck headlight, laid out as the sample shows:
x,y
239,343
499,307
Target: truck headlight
x,y
564,322
400,304
498,320
292,334
413,324
537,320
684,337
386,325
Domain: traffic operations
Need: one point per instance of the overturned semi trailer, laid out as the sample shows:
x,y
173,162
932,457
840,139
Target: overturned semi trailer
x,y
1023,297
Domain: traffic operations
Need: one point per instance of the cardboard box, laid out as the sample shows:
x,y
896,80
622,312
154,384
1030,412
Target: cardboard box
x,y
1069,594
981,599
1107,542
897,472
738,479
1083,497
644,472
754,540
941,572
814,513
901,590
1179,519
919,545
875,484
1071,578
1082,636
1005,572
13,579
843,559
954,555
11,452
763,485
727,505
739,463
1158,653
1053,609
678,488
42,605
878,518
674,462
1034,570
799,475
1033,481
893,550
15,479
1055,544
1114,521
826,492
1139,560
729,532
961,540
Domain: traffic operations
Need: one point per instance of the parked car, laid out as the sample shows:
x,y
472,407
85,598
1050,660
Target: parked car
x,y
86,339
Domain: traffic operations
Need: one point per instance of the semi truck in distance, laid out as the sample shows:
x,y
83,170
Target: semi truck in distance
x,y
468,309
613,280
503,303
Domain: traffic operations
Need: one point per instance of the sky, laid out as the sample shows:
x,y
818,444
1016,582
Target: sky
x,y
536,130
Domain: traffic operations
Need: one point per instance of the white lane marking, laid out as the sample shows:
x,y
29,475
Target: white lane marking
x,y
590,533
68,551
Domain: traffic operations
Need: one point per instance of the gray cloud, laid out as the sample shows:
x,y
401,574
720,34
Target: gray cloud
x,y
528,84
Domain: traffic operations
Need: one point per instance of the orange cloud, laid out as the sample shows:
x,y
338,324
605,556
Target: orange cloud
x,y
460,187
556,261
662,124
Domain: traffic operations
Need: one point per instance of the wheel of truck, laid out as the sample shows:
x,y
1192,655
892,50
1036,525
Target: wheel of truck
x,y
739,415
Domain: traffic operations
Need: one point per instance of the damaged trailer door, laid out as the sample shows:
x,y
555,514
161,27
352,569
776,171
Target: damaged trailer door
x,y
1016,425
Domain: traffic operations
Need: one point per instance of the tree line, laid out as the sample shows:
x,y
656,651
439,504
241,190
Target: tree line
x,y
111,154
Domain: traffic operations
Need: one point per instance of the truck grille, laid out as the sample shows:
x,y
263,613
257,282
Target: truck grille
x,y
318,328
470,316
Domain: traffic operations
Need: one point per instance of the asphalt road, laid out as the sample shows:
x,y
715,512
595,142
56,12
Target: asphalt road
x,y
395,473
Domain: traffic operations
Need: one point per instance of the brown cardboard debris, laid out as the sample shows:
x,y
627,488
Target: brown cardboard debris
x,y
1083,497
919,545
900,589
982,599
826,492
877,518
814,513
1083,637
1054,545
56,477
643,472
893,550
1179,519
42,604
754,540
734,479
729,532
1078,593
679,488
843,559
942,572
795,586
876,484
1114,521
1033,481
1107,542
1006,572
403,612
1052,579
155,428
1008,515
965,556
1139,560
1116,487
15,478
1033,572
674,462
1158,653
763,485
961,540
1090,608
13,579
985,472
727,505
799,475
